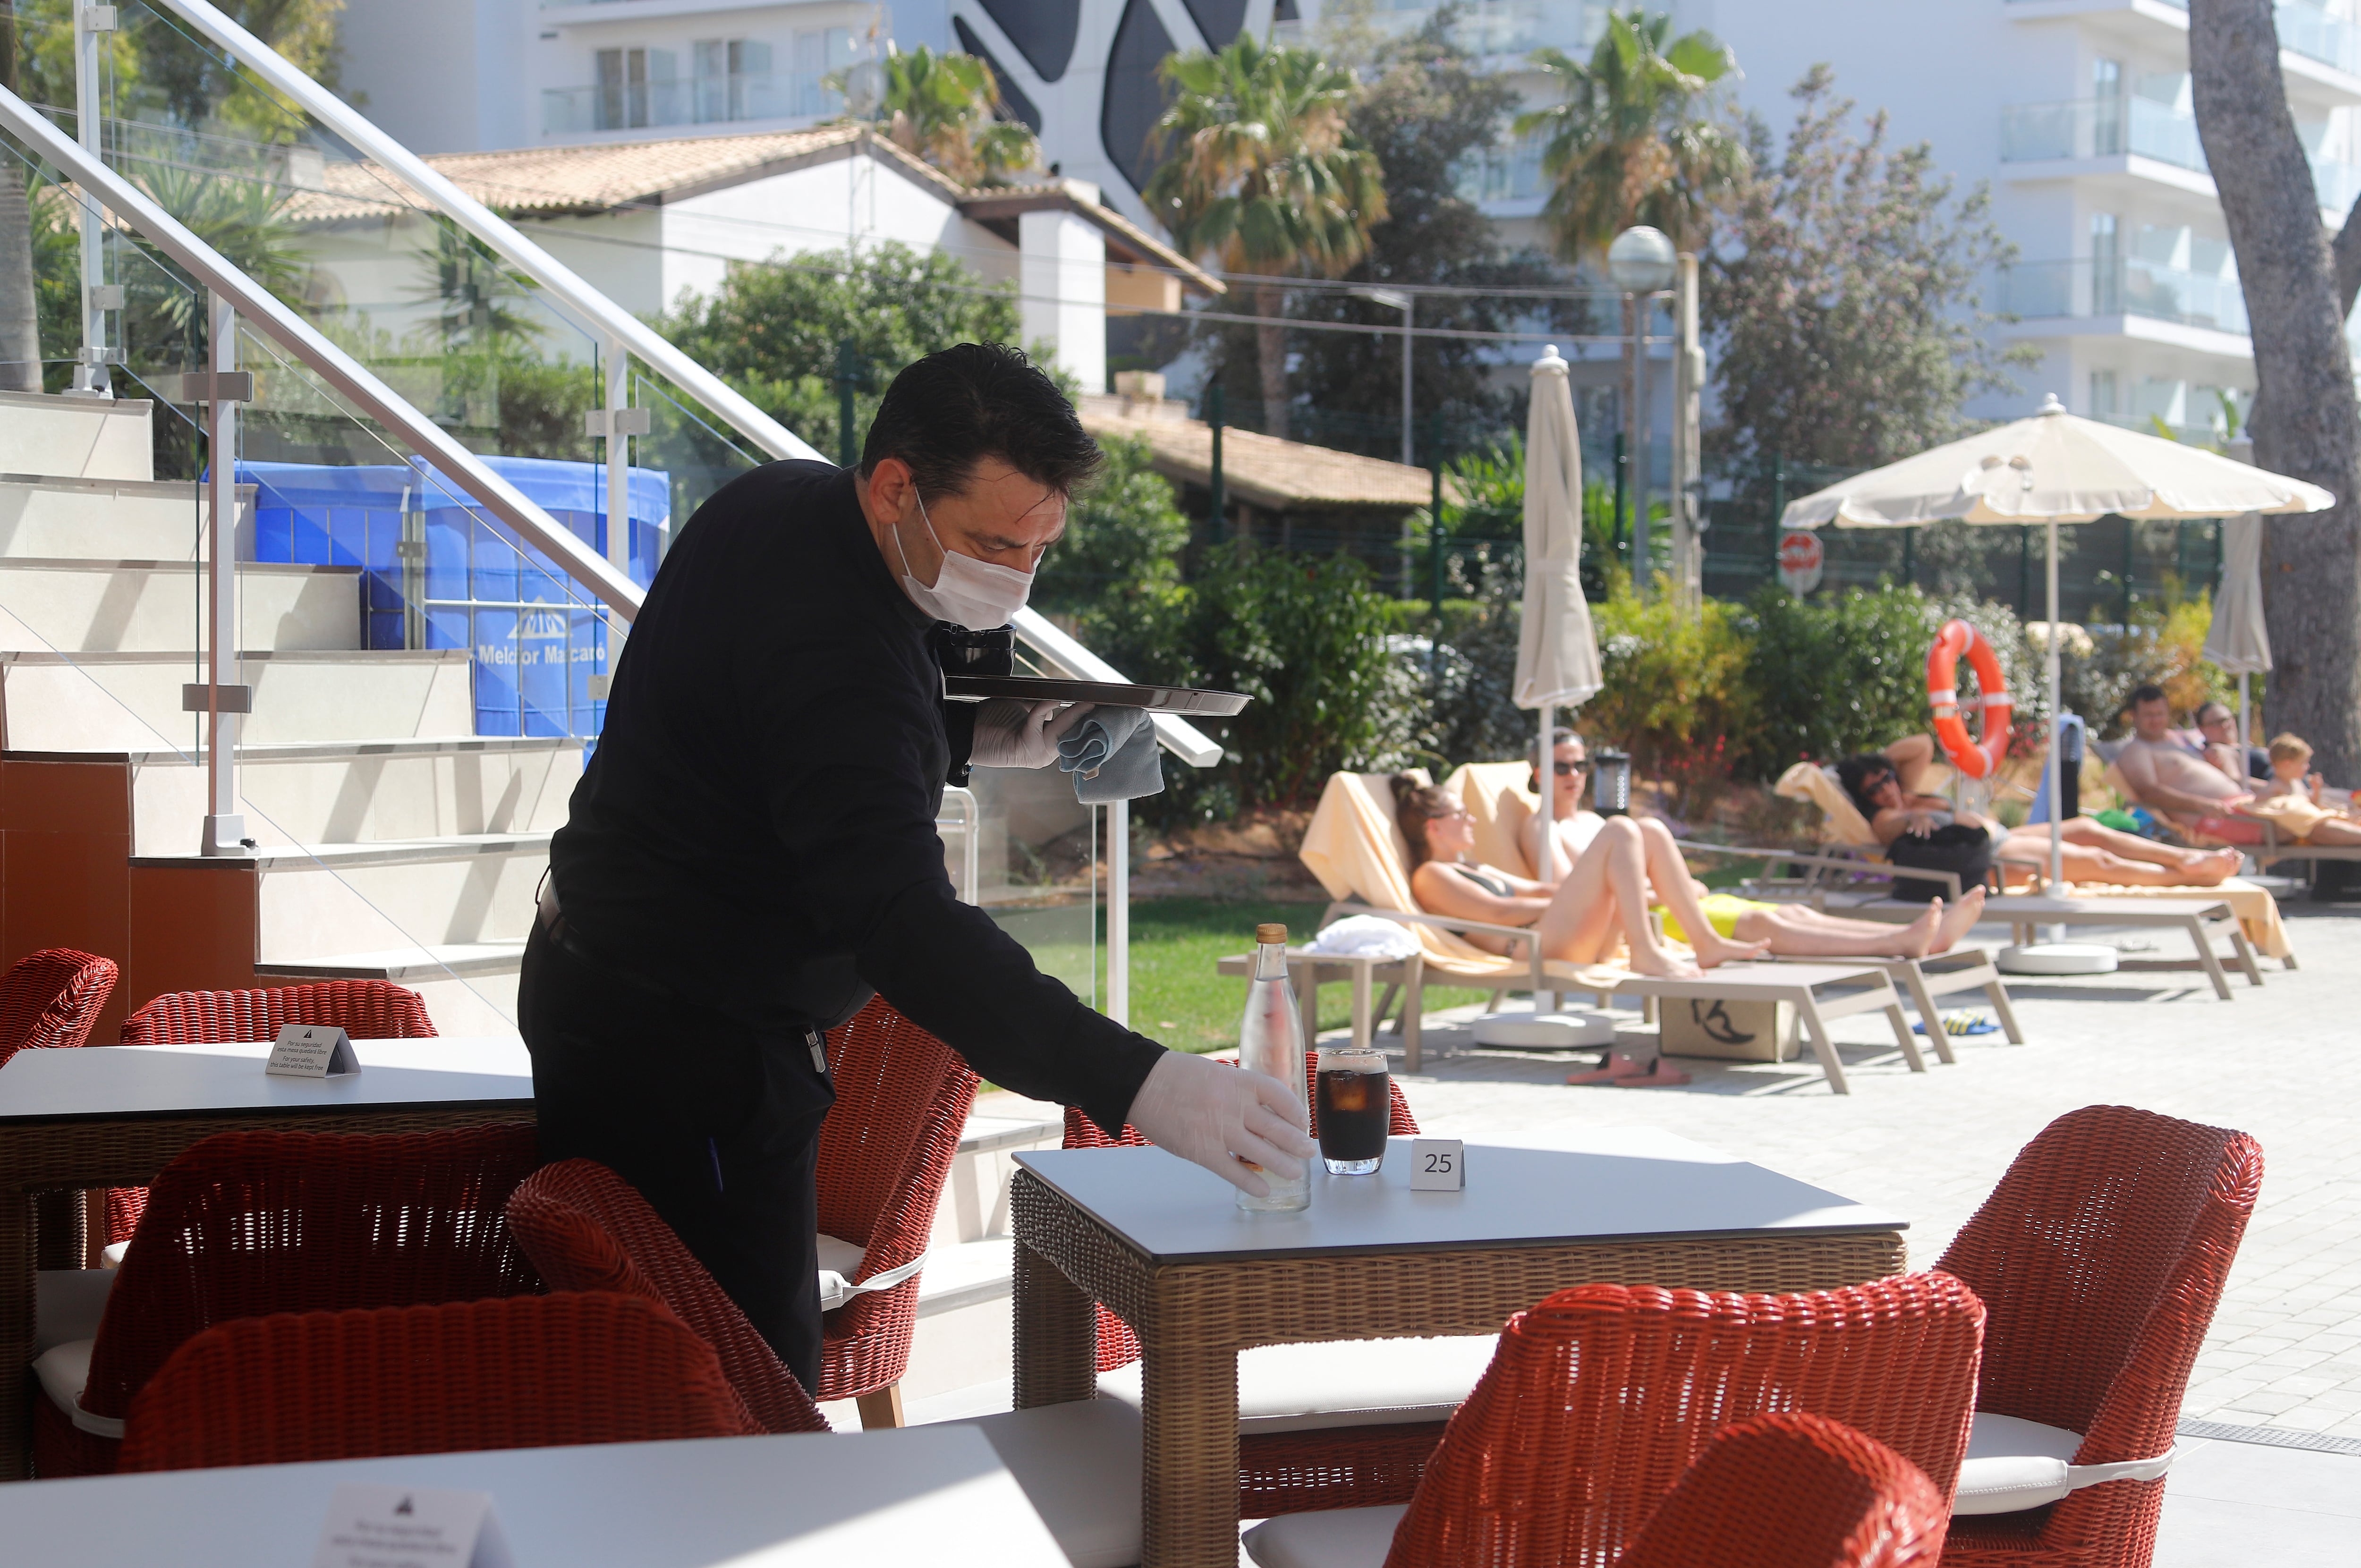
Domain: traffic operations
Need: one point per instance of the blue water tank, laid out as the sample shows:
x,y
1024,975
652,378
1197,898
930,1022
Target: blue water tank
x,y
536,639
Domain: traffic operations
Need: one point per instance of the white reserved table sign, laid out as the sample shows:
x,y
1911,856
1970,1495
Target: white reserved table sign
x,y
1438,1165
311,1051
372,1526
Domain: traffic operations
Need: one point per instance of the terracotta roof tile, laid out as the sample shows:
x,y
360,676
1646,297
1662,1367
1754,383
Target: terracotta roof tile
x,y
1263,469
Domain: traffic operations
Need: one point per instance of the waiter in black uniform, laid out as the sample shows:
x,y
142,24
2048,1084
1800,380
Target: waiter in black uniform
x,y
751,850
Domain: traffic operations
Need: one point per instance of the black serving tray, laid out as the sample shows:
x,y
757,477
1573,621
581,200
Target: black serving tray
x,y
1111,694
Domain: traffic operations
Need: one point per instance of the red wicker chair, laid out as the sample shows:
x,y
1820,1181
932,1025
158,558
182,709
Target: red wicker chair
x,y
1335,1467
49,1000
885,1151
2100,1257
1794,1491
586,1229
523,1372
365,1009
1601,1396
248,1223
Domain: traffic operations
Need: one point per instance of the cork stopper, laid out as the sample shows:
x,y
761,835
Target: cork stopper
x,y
1273,932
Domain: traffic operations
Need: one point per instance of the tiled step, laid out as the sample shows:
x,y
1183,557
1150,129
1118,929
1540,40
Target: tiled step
x,y
320,900
78,438
131,702
358,791
87,606
44,518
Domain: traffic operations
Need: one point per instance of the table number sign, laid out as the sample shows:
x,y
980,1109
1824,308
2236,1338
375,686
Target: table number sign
x,y
371,1526
1438,1165
311,1051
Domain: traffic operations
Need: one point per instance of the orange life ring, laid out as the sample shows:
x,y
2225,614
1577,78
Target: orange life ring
x,y
1979,758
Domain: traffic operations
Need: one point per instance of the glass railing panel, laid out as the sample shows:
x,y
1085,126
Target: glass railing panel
x,y
2038,290
707,100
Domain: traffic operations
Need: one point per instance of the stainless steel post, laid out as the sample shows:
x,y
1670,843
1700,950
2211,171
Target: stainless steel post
x,y
1119,912
225,830
93,23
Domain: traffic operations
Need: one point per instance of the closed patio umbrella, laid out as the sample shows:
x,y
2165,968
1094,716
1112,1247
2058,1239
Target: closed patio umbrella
x,y
2051,468
1557,652
2238,641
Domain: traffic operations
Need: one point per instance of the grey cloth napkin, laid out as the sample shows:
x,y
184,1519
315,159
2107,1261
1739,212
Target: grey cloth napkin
x,y
1113,755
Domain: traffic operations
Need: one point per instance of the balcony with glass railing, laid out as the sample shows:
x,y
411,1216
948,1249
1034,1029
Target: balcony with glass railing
x,y
1486,28
1508,171
2314,33
2137,128
2035,290
688,101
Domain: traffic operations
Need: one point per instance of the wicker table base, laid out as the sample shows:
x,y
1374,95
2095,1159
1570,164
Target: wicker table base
x,y
1193,1320
38,1156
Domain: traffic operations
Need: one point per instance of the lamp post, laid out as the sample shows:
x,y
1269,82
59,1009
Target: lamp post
x,y
1641,264
1395,299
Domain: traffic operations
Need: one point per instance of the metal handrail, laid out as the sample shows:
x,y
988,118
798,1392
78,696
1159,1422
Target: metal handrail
x,y
492,229
339,369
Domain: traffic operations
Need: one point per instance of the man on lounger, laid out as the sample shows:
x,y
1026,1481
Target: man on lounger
x,y
2200,799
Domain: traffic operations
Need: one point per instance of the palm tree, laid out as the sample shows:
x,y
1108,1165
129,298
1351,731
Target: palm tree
x,y
1264,174
945,108
1634,141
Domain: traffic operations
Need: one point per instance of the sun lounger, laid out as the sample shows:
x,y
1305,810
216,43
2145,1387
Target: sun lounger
x,y
2196,913
1354,847
1495,795
2274,848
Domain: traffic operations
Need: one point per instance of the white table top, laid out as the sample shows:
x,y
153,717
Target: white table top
x,y
1614,1184
919,1496
161,1081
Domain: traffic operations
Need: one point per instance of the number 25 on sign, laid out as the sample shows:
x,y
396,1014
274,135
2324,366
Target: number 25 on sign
x,y
1438,1165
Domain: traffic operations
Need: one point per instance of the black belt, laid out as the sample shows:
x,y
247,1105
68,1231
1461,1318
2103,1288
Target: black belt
x,y
552,923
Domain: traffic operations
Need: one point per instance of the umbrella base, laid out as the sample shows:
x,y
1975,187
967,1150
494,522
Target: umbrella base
x,y
1545,1031
2059,957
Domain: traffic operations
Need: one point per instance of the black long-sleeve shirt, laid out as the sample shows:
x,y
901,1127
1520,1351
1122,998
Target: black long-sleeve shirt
x,y
756,829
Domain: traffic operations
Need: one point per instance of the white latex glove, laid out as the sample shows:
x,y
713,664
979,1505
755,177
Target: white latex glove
x,y
1222,1117
1011,734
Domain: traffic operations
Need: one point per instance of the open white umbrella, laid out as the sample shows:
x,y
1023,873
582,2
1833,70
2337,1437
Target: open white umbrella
x,y
1557,652
2238,641
2051,468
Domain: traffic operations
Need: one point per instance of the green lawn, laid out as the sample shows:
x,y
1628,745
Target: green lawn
x,y
1178,999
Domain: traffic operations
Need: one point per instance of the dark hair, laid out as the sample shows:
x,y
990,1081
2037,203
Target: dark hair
x,y
2209,705
2145,692
1533,746
948,411
1415,806
1859,772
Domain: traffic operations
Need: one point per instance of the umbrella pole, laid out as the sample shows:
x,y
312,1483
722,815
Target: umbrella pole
x,y
2245,735
1545,859
2056,735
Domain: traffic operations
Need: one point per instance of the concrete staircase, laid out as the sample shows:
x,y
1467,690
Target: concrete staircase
x,y
393,841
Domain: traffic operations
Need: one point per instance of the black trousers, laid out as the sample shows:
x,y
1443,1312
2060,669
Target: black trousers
x,y
715,1124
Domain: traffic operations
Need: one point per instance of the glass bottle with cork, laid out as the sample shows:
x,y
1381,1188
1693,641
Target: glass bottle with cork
x,y
1270,1041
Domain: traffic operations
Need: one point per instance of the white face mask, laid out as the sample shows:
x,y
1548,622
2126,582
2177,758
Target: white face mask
x,y
967,592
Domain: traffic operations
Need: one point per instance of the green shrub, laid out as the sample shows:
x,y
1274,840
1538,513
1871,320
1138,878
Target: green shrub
x,y
1677,691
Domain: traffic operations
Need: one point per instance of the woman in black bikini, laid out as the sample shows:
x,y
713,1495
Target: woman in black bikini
x,y
1605,894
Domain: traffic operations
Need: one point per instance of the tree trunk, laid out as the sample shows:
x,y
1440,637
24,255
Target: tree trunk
x,y
20,322
1271,357
2310,426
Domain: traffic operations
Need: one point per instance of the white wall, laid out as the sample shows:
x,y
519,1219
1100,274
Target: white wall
x,y
441,75
1062,292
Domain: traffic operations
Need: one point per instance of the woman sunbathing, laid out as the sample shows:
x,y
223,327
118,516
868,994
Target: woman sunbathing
x,y
1883,785
1608,890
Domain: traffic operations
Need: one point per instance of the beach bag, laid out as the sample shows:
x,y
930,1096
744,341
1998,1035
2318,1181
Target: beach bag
x,y
1954,847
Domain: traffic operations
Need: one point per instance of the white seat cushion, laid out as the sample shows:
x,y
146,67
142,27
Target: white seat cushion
x,y
2015,1463
1333,1538
63,1370
1079,1464
68,1303
1344,1383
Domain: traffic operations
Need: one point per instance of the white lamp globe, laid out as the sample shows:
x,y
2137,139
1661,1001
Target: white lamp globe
x,y
1640,261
